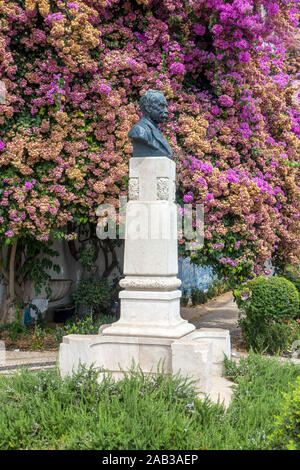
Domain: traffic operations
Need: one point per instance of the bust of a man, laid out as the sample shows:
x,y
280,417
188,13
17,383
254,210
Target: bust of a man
x,y
147,139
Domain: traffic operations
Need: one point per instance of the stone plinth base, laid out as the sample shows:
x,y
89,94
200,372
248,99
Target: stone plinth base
x,y
150,314
197,355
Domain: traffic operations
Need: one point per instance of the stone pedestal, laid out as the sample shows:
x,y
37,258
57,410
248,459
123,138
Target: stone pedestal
x,y
150,333
150,301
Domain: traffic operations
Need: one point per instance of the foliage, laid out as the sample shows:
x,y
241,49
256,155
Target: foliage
x,y
24,266
217,287
265,298
40,410
286,435
184,298
74,73
267,308
139,412
256,401
16,327
96,293
37,262
198,296
58,334
82,326
38,337
86,258
293,275
272,337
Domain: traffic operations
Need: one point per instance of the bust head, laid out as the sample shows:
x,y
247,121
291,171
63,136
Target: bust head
x,y
154,106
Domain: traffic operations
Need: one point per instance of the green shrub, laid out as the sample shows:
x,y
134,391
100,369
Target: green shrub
x,y
42,410
94,293
271,337
184,300
198,296
217,287
38,337
274,298
202,297
194,295
82,326
286,435
156,412
15,329
293,276
212,291
267,306
58,334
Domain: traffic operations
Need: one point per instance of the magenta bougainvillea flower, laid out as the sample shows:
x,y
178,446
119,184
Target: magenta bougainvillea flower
x,y
225,100
217,29
73,5
229,71
199,29
9,233
104,88
244,57
177,68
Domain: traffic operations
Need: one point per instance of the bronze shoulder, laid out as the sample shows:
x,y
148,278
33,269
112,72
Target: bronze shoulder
x,y
140,132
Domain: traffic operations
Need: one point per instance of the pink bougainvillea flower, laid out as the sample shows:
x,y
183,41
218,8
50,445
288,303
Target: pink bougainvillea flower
x,y
28,185
177,68
9,233
217,29
199,29
234,127
188,197
215,110
141,37
225,100
244,57
73,5
105,89
54,16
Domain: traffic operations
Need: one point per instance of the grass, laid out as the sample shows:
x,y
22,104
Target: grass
x,y
41,411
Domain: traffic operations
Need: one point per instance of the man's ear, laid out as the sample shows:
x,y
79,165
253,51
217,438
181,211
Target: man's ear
x,y
147,109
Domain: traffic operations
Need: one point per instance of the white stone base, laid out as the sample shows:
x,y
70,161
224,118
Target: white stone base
x,y
197,355
150,314
220,340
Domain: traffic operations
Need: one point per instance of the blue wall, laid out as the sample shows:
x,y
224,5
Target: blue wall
x,y
194,276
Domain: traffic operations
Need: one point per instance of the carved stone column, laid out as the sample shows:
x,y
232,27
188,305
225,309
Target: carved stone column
x,y
150,301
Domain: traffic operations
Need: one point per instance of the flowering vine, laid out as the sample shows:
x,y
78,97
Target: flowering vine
x,y
74,72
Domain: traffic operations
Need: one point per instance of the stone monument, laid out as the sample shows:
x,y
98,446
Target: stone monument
x,y
150,332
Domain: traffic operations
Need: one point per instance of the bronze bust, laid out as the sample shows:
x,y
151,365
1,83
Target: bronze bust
x,y
147,139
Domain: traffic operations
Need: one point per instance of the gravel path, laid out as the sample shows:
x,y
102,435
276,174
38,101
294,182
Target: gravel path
x,y
10,361
221,312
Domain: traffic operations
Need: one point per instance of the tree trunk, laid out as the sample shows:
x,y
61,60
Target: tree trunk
x,y
4,305
9,296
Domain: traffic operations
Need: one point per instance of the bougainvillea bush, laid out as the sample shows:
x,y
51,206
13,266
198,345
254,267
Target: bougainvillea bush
x,y
74,72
